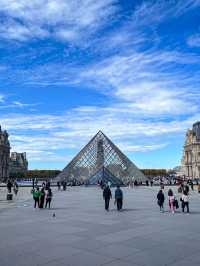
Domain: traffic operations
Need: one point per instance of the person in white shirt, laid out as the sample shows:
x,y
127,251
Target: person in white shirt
x,y
185,201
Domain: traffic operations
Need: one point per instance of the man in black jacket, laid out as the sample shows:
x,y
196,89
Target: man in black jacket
x,y
107,195
119,198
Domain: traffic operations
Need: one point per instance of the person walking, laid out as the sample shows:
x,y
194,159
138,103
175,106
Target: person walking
x,y
42,198
185,201
107,195
119,198
192,185
186,188
171,200
36,197
161,199
58,185
16,188
9,186
48,198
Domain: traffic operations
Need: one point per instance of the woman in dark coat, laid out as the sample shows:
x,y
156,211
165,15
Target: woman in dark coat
x,y
49,198
161,199
42,197
107,195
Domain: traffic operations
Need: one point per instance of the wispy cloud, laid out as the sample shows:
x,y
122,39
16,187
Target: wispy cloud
x,y
14,104
194,40
68,20
42,135
2,98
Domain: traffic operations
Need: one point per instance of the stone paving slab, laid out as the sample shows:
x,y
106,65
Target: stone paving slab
x,y
83,233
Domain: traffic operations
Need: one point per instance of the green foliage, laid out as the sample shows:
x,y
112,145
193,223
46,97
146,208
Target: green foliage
x,y
42,174
16,175
154,172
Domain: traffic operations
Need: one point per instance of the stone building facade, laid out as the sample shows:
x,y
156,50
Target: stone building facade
x,y
191,154
18,163
4,155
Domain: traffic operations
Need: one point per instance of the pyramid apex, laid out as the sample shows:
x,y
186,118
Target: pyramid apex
x,y
100,132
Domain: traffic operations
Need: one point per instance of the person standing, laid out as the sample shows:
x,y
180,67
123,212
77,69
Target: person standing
x,y
119,198
36,197
187,189
64,184
161,199
42,197
107,195
49,198
58,185
185,201
9,186
171,200
16,188
192,185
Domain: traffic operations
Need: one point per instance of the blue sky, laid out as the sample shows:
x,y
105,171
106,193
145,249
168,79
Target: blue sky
x,y
69,68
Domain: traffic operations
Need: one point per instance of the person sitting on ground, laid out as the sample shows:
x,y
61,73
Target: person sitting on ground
x,y
161,199
119,198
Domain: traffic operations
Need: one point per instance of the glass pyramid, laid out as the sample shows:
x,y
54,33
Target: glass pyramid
x,y
101,153
104,175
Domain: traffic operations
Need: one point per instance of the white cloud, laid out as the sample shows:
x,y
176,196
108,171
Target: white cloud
x,y
194,40
141,148
69,19
15,104
149,83
2,98
41,135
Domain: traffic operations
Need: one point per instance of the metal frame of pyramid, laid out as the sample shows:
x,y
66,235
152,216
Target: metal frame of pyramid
x,y
104,175
101,152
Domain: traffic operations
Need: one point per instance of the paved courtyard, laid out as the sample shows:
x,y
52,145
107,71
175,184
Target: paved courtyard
x,y
83,234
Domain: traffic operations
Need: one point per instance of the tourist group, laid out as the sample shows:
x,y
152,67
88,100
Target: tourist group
x,y
41,196
172,199
107,195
